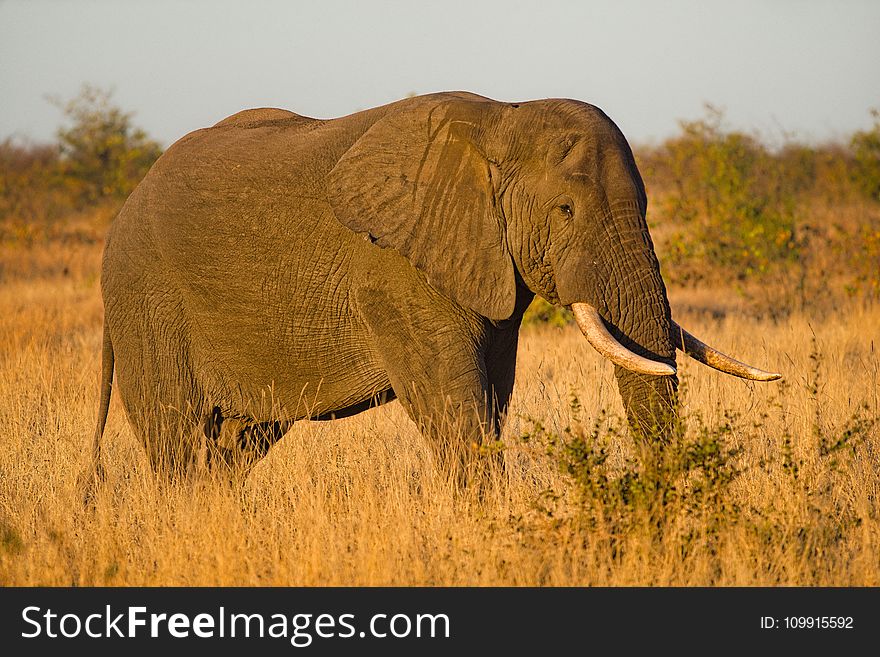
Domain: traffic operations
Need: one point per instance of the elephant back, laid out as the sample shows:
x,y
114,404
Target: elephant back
x,y
254,118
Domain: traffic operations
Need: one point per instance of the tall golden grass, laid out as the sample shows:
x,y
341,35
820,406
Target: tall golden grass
x,y
358,501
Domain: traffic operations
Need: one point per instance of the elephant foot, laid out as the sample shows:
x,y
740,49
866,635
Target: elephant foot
x,y
88,482
234,445
466,451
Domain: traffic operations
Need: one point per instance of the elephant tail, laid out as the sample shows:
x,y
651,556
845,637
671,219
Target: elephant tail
x,y
94,473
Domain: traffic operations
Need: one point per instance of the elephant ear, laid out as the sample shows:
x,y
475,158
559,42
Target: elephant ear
x,y
419,182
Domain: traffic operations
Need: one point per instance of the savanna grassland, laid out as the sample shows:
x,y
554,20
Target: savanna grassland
x,y
762,484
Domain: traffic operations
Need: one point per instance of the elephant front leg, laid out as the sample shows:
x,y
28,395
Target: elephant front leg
x,y
436,367
456,422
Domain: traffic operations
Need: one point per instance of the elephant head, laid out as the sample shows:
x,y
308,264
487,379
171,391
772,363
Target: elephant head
x,y
486,197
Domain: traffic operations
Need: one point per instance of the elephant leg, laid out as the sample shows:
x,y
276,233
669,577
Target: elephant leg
x,y
234,445
435,364
170,437
155,377
500,358
163,409
455,424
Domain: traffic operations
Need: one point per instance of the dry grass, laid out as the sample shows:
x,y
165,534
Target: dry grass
x,y
357,502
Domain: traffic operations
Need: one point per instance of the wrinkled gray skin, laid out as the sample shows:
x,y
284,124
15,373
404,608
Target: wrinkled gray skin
x,y
275,267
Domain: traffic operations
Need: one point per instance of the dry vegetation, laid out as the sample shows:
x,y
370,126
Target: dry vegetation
x,y
778,486
764,484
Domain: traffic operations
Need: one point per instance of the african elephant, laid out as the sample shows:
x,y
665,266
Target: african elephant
x,y
275,267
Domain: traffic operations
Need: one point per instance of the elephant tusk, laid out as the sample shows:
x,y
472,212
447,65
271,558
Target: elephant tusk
x,y
699,350
594,330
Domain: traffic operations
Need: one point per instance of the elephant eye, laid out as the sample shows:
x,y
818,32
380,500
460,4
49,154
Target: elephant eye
x,y
567,209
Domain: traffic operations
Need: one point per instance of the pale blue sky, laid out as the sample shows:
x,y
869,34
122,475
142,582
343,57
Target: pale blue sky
x,y
808,67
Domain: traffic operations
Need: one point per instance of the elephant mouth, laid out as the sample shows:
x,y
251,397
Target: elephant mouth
x,y
593,327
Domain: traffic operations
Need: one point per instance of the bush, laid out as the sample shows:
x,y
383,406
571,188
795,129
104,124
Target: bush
x,y
665,490
682,502
542,312
102,154
729,199
866,150
99,159
29,189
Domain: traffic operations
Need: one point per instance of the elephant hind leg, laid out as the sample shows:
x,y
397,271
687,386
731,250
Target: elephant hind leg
x,y
234,445
172,442
166,419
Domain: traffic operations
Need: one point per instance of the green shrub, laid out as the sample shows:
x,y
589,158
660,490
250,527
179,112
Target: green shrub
x,y
663,488
729,199
542,312
681,501
102,154
98,160
30,192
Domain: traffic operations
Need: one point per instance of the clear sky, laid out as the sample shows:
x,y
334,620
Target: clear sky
x,y
807,67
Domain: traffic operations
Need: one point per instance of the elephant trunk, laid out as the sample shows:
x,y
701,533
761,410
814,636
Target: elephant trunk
x,y
622,308
631,325
641,321
645,385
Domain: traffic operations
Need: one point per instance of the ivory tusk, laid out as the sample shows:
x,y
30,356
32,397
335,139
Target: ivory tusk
x,y
593,327
700,351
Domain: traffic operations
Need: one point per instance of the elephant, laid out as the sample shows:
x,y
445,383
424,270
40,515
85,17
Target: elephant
x,y
274,267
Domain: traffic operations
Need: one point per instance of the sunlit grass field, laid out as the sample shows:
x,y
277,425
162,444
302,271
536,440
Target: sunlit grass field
x,y
769,484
